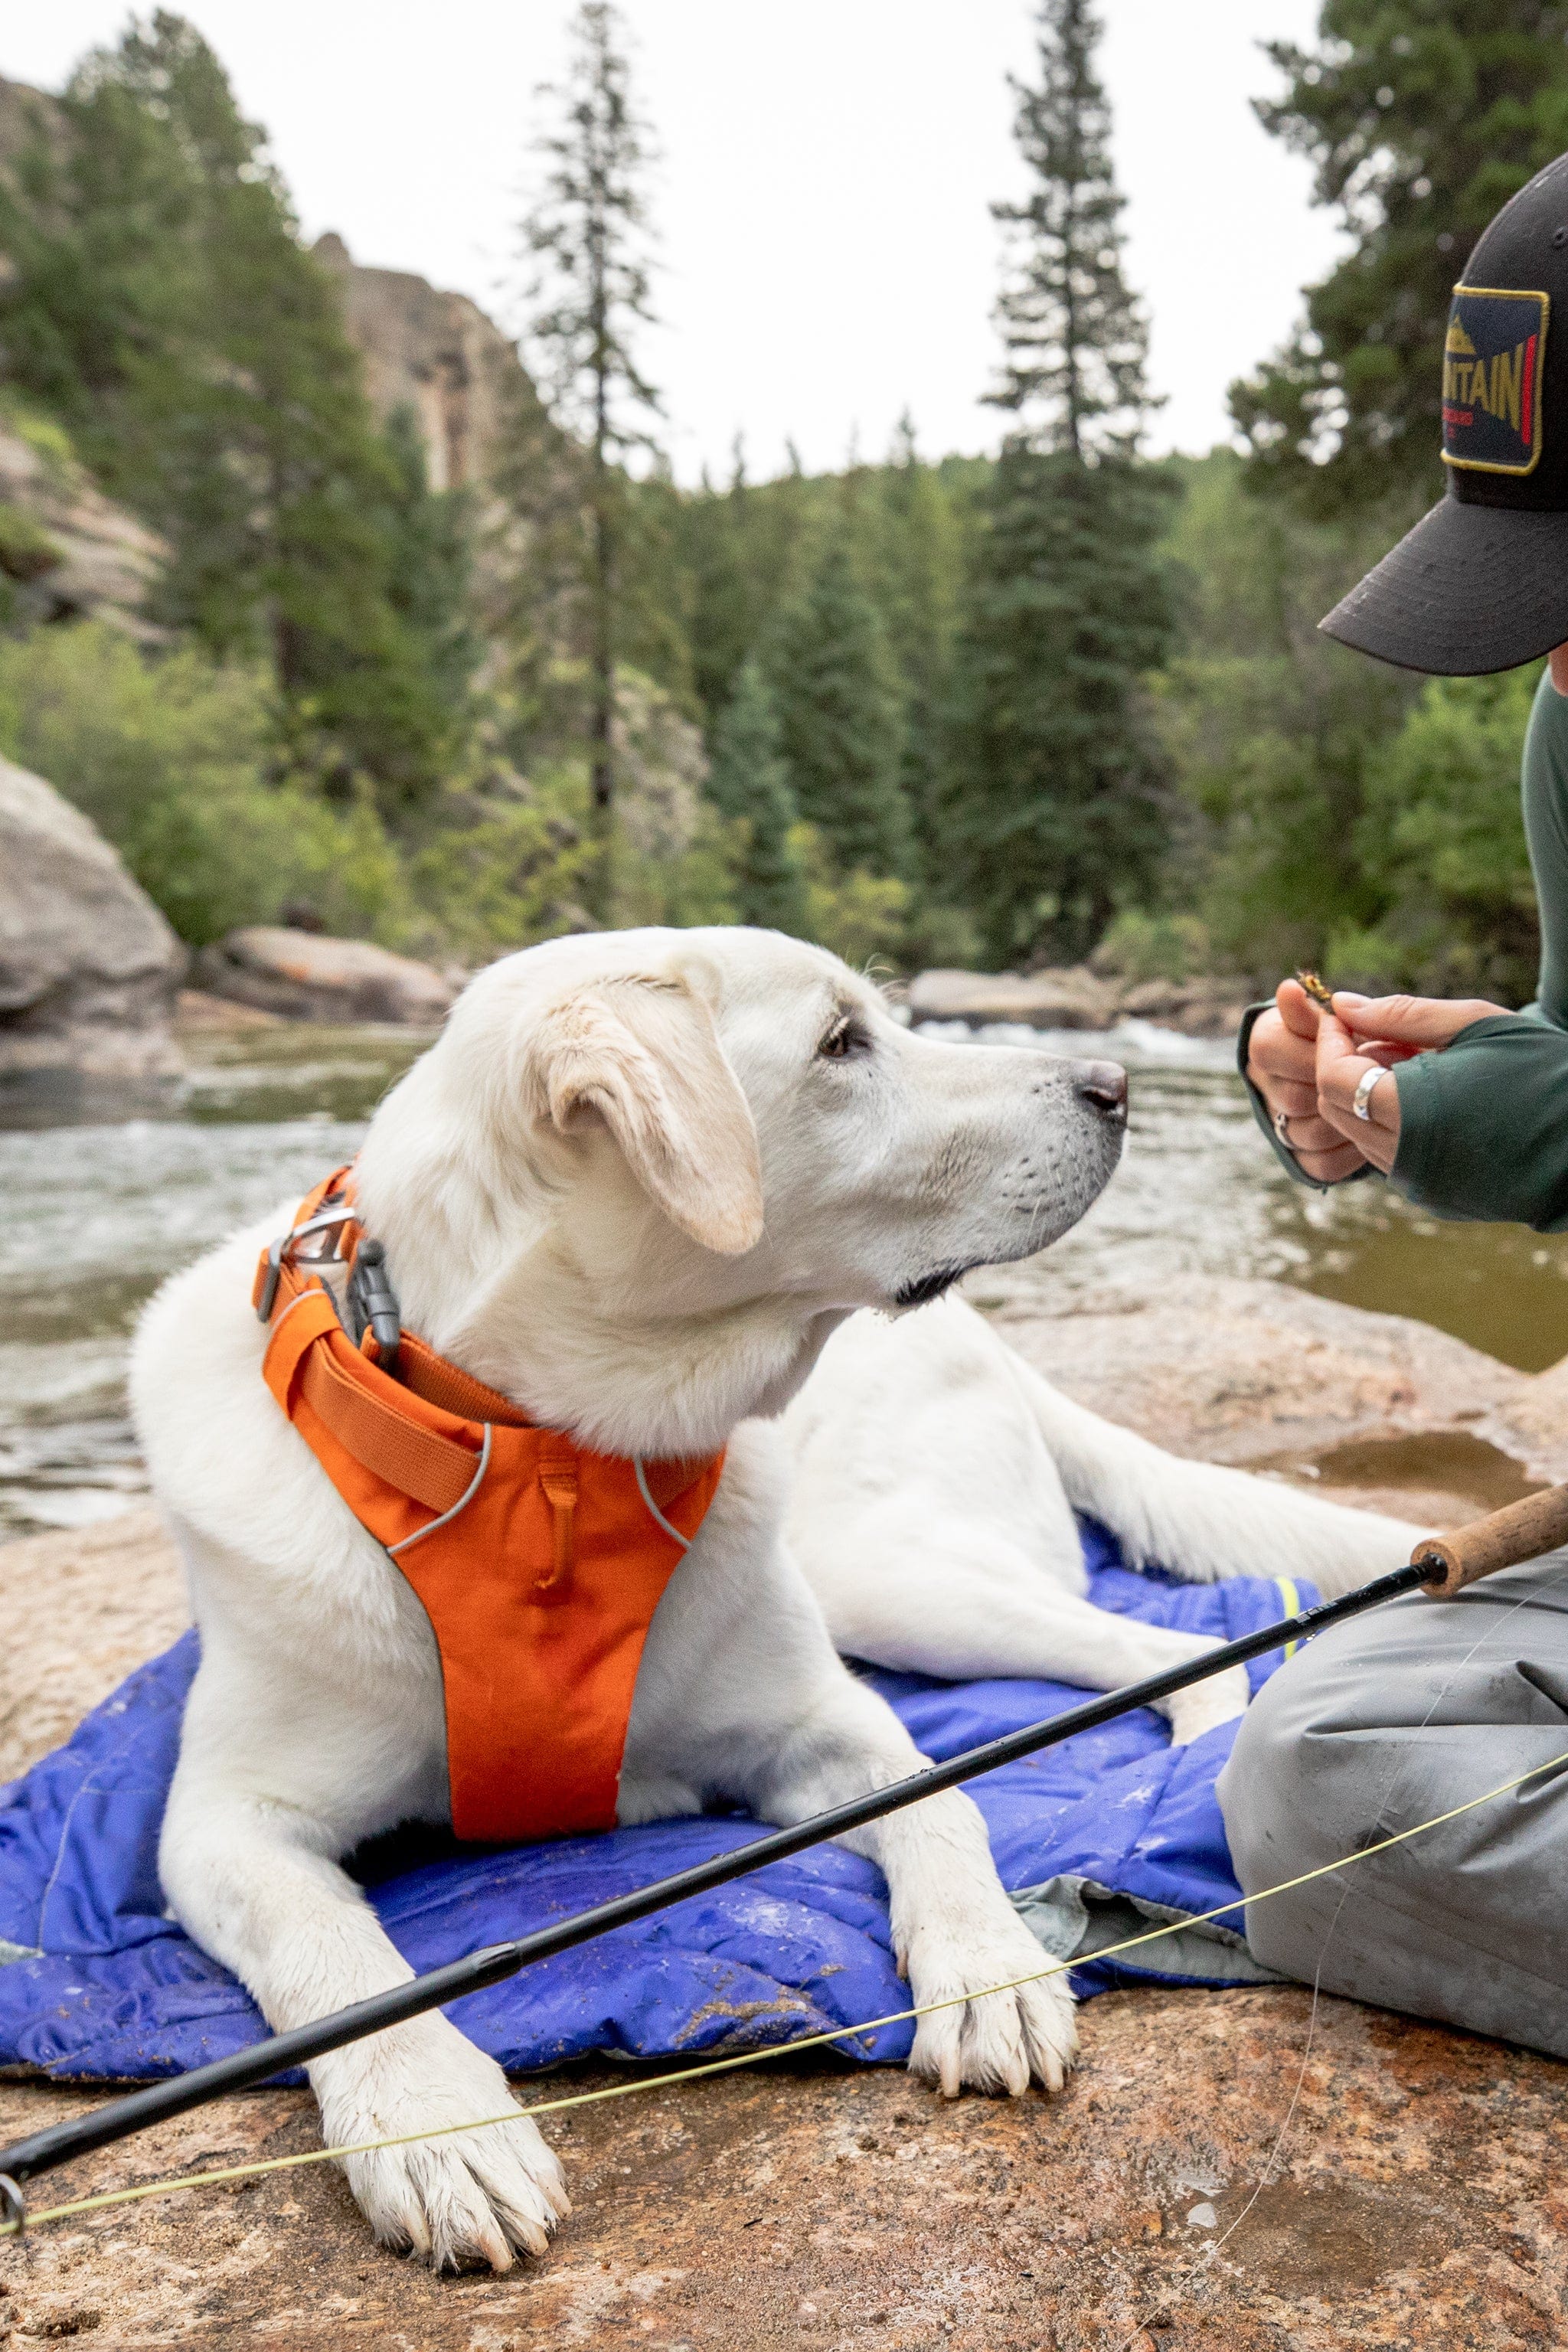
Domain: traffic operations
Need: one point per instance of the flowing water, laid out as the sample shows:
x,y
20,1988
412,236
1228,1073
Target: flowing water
x,y
95,1216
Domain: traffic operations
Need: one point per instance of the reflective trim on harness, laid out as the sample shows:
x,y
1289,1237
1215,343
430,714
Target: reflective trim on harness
x,y
654,1511
464,1499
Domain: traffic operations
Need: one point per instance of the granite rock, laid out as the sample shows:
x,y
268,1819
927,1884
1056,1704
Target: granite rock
x,y
1071,998
433,353
88,968
306,976
1240,2172
69,552
1074,996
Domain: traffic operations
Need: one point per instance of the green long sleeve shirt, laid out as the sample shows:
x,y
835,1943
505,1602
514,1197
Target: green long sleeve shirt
x,y
1483,1123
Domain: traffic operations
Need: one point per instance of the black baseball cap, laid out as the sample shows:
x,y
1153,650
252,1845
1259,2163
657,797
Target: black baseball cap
x,y
1482,583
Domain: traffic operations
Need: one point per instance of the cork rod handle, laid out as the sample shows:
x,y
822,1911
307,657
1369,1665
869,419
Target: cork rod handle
x,y
1523,1531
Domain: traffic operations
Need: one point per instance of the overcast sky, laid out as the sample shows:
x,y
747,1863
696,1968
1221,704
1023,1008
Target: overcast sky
x,y
828,253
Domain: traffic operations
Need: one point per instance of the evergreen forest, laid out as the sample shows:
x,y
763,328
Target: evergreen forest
x,y
1065,702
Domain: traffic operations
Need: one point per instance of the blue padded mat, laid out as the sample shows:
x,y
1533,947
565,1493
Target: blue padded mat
x,y
98,1983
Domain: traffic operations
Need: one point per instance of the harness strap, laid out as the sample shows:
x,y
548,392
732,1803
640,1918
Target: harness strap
x,y
446,1384
420,1463
308,1356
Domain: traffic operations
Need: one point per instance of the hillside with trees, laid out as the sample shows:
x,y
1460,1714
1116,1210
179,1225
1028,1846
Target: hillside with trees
x,y
451,660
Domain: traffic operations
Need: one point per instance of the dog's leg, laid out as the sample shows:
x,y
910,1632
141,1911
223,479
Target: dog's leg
x,y
1202,1521
930,1595
246,1862
741,1694
954,1930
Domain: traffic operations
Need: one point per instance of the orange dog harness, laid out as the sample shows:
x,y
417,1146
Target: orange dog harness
x,y
538,1564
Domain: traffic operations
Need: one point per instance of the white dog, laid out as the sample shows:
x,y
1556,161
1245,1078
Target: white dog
x,y
636,1186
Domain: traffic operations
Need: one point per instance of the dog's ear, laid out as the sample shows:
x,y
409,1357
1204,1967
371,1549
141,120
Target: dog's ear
x,y
645,1055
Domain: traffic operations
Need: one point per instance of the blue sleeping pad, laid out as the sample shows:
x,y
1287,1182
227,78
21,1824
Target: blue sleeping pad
x,y
98,1982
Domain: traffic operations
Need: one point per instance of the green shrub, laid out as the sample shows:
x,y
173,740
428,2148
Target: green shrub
x,y
171,758
698,884
1141,946
1443,831
493,874
26,550
44,434
861,917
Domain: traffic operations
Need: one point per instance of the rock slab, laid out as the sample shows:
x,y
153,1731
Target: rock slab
x,y
305,976
79,555
1242,2172
1072,996
88,968
1225,2172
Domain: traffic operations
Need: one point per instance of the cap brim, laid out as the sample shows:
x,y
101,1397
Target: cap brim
x,y
1470,589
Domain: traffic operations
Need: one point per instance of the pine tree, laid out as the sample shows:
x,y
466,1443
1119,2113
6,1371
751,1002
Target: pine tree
x,y
1055,798
918,560
727,587
1420,120
161,303
432,569
841,716
748,780
740,550
1076,341
1058,794
588,237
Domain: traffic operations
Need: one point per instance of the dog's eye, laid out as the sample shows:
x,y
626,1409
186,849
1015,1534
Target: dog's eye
x,y
844,1039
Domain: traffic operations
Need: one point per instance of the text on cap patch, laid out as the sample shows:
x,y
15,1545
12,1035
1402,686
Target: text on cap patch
x,y
1492,361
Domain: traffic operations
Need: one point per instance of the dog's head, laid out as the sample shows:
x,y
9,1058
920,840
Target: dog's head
x,y
720,1127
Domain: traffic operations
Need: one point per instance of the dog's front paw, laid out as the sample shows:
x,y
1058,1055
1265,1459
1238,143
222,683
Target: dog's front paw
x,y
474,2197
1000,2041
1220,1699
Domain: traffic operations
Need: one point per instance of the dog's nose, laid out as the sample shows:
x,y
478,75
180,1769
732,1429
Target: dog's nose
x,y
1103,1087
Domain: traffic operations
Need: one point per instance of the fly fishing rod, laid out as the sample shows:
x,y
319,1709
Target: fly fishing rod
x,y
1440,1565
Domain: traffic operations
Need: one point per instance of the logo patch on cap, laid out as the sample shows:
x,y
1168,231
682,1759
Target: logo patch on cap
x,y
1492,363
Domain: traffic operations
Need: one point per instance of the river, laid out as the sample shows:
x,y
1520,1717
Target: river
x,y
96,1216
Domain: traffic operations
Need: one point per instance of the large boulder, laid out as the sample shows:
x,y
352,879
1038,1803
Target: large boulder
x,y
305,976
1072,998
89,967
1199,1008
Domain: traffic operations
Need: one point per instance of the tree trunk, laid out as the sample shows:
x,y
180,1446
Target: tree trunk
x,y
601,810
602,817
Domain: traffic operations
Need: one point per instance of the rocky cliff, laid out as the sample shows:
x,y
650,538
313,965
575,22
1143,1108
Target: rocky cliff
x,y
433,353
65,550
436,354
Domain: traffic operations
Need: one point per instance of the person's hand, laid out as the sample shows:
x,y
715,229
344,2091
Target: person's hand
x,y
1363,1035
1282,1063
1343,1063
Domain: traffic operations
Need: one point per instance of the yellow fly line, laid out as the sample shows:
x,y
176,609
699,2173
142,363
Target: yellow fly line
x,y
178,2181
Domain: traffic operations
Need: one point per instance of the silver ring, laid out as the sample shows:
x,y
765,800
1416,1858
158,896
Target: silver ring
x,y
1282,1128
1360,1101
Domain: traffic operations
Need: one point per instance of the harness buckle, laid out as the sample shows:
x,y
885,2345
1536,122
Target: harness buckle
x,y
268,1297
327,1219
372,1300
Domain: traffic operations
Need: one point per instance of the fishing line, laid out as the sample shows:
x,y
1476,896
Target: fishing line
x,y
1197,2278
179,2181
62,2143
